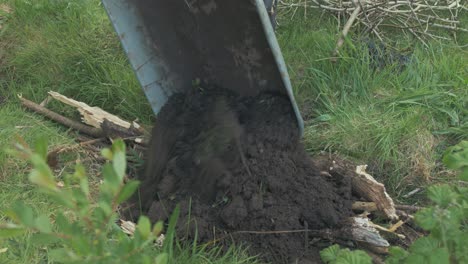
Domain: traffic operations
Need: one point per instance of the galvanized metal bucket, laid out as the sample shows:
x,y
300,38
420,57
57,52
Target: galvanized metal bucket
x,y
224,43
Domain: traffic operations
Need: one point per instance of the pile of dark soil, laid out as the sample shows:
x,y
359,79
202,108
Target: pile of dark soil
x,y
235,164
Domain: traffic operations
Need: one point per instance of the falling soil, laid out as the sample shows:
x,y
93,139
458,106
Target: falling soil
x,y
238,170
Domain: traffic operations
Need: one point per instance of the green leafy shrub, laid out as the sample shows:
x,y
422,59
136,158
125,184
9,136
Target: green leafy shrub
x,y
85,231
446,221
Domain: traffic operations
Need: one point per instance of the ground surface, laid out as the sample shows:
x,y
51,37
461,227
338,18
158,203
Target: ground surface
x,y
399,122
237,164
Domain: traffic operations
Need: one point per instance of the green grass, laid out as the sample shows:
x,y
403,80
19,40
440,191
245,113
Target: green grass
x,y
398,123
69,47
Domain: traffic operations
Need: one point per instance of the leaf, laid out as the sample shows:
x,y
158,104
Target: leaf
x,y
330,253
442,195
424,245
80,198
41,175
461,250
42,223
11,230
439,256
111,180
354,257
82,243
119,160
41,147
170,233
456,157
59,255
119,163
44,239
23,213
145,259
84,185
464,174
64,198
80,171
323,118
99,214
118,146
62,223
425,218
128,189
158,228
42,180
144,227
162,258
107,153
397,255
105,207
415,259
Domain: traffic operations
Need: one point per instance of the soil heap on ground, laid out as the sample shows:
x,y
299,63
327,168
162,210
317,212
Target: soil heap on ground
x,y
234,165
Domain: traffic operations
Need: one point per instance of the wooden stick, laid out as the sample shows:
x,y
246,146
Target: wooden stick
x,y
96,117
371,207
368,188
346,28
356,229
405,207
381,228
91,131
66,148
364,206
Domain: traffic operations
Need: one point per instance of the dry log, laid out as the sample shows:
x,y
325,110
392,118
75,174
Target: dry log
x,y
371,207
88,130
362,184
364,206
363,230
111,125
101,123
92,115
368,188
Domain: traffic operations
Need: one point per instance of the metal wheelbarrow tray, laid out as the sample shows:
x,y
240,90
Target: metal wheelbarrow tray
x,y
224,43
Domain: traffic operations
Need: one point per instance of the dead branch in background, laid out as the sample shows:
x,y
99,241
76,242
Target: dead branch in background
x,y
346,28
418,17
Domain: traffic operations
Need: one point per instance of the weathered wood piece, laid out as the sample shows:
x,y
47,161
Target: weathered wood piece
x,y
92,115
371,190
111,125
88,130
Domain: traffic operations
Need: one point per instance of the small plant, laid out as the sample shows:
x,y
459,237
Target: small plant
x,y
446,221
336,255
85,230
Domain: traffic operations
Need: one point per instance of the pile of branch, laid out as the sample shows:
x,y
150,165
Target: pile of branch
x,y
418,17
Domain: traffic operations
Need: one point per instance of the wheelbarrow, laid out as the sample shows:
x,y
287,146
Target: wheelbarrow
x,y
223,43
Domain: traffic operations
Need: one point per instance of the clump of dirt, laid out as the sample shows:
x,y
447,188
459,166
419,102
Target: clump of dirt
x,y
237,164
